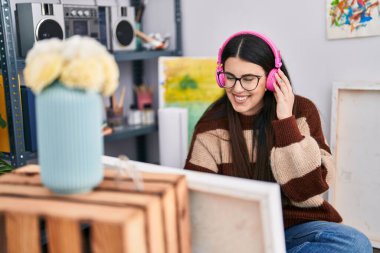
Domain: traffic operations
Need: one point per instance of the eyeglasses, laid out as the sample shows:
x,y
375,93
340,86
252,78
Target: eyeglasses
x,y
249,82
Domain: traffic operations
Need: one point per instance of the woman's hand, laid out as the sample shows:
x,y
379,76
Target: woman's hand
x,y
283,93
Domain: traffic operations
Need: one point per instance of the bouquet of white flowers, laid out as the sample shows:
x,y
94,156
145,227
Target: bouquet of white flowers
x,y
78,62
68,78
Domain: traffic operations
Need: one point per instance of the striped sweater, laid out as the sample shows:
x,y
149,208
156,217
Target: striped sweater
x,y
300,159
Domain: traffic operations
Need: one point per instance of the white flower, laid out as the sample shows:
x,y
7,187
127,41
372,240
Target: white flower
x,y
78,62
50,46
82,47
83,73
42,70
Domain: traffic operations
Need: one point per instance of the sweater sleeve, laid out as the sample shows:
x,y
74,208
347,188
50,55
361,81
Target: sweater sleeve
x,y
202,152
301,160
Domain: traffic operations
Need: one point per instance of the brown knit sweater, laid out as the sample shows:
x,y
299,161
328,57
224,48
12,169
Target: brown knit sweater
x,y
301,161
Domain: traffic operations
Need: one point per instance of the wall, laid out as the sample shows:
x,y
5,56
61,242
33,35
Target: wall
x,y
298,29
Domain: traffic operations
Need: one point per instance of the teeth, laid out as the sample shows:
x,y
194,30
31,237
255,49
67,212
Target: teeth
x,y
240,99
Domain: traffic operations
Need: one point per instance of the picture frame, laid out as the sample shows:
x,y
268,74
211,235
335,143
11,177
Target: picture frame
x,y
355,124
228,214
352,19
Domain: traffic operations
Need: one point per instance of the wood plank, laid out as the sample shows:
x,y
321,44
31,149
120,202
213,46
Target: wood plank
x,y
168,201
106,238
175,202
182,201
22,231
146,176
64,235
151,204
183,214
153,212
128,217
14,178
28,169
3,238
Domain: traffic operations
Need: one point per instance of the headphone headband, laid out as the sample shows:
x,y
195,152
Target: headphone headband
x,y
276,52
271,77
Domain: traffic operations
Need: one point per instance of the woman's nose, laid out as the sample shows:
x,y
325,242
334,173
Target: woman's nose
x,y
238,87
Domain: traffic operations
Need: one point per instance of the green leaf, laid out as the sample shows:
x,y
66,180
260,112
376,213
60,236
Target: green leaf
x,y
5,167
3,123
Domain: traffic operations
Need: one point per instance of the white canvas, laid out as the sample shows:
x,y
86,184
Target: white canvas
x,y
172,135
229,214
355,138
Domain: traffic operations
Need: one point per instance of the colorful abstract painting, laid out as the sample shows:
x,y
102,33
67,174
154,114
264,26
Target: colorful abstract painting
x,y
188,82
352,18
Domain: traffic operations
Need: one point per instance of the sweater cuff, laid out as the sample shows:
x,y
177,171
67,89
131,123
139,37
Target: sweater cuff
x,y
286,132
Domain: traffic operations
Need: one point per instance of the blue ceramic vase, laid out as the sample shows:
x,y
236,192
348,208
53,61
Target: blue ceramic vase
x,y
70,143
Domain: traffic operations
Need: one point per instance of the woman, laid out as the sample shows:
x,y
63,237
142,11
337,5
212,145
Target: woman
x,y
260,130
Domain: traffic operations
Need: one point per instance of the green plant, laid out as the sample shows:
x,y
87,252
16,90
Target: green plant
x,y
5,167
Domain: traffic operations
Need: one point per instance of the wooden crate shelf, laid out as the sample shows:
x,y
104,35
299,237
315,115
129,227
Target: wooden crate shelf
x,y
120,218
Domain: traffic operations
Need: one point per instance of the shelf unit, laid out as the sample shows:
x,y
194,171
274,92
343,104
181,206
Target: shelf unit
x,y
130,131
11,65
126,56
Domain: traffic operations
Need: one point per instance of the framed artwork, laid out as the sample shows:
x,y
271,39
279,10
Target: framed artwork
x,y
355,138
228,214
188,82
352,18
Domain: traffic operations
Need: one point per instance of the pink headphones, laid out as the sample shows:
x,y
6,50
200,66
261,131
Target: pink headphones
x,y
271,76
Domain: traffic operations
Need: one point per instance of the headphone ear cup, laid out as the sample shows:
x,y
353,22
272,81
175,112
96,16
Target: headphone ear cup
x,y
271,79
220,79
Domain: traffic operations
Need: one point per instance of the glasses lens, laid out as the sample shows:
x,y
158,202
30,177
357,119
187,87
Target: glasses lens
x,y
249,82
230,80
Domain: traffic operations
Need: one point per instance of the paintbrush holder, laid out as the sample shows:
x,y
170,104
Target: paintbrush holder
x,y
115,116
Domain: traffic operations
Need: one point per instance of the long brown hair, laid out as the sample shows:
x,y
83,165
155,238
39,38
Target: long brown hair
x,y
252,49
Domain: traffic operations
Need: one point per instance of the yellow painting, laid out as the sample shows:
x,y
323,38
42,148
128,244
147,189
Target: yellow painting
x,y
188,82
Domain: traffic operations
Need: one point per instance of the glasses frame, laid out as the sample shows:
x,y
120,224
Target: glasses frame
x,y
239,79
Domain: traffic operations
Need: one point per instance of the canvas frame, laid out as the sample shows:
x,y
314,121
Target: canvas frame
x,y
266,196
364,215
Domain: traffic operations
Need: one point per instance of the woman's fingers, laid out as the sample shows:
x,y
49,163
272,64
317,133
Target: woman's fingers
x,y
285,79
277,92
281,84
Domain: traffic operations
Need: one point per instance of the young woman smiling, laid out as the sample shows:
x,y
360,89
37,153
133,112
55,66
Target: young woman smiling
x,y
261,130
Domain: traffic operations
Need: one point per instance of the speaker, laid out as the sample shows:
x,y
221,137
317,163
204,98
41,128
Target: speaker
x,y
38,21
271,79
123,28
105,36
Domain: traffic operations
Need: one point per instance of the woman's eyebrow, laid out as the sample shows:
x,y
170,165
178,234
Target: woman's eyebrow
x,y
248,74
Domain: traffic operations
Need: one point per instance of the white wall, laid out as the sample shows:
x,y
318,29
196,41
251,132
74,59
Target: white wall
x,y
297,27
299,30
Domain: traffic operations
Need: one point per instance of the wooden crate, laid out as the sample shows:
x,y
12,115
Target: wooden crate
x,y
160,228
175,199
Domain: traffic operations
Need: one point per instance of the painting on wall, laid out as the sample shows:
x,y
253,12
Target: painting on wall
x,y
4,134
188,82
352,18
